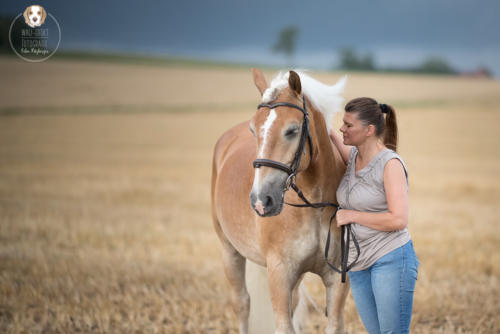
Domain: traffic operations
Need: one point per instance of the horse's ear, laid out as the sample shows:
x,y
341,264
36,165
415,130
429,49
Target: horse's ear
x,y
259,80
294,82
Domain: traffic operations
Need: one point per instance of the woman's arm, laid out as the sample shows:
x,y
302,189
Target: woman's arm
x,y
396,218
338,142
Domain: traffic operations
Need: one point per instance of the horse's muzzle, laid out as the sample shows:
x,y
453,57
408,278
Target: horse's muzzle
x,y
268,201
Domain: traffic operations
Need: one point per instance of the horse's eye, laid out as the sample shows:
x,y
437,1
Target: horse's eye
x,y
252,130
291,132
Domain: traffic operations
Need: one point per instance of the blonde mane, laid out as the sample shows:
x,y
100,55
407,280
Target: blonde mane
x,y
327,99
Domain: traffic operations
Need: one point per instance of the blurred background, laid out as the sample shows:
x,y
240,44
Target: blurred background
x,y
424,36
106,148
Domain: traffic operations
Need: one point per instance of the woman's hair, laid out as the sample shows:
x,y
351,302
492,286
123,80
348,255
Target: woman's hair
x,y
370,111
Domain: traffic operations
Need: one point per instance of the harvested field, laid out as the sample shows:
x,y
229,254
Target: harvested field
x,y
105,209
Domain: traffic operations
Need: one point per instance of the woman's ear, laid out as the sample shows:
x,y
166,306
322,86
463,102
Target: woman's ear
x,y
370,130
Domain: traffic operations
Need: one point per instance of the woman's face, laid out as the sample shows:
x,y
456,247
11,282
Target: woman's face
x,y
354,131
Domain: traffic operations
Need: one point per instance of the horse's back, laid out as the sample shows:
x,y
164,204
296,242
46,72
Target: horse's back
x,y
232,178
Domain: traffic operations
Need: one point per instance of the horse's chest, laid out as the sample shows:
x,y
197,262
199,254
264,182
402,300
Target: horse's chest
x,y
294,238
243,236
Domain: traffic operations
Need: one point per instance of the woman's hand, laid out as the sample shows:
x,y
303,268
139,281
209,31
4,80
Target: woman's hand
x,y
332,134
338,142
345,217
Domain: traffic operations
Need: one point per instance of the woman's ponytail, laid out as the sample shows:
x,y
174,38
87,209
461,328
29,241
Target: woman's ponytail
x,y
391,128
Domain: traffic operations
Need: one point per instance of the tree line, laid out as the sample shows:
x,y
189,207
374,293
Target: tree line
x,y
349,59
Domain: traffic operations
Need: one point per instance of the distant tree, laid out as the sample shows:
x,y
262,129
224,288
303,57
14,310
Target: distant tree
x,y
367,63
286,42
435,65
350,60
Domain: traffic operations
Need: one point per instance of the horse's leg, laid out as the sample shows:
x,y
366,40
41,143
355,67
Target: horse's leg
x,y
336,295
234,267
281,283
299,306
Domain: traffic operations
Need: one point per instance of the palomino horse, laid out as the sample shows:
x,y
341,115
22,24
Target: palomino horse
x,y
287,240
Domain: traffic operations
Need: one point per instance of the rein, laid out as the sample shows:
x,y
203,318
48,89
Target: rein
x,y
292,171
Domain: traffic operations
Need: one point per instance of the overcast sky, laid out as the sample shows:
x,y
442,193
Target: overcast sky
x,y
397,32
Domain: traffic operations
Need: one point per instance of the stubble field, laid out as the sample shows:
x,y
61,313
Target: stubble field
x,y
105,208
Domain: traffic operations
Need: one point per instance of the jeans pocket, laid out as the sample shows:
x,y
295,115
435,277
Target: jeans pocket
x,y
416,266
413,262
414,271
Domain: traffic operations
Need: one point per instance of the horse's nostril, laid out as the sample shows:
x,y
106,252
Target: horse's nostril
x,y
269,202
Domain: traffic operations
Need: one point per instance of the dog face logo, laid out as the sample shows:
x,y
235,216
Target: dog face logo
x,y
35,16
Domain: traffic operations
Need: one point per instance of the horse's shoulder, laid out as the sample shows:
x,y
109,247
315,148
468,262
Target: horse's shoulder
x,y
236,138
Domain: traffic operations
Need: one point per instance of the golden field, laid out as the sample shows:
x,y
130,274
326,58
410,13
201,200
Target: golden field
x,y
105,208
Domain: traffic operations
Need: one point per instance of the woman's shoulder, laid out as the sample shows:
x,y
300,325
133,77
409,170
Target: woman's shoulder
x,y
389,156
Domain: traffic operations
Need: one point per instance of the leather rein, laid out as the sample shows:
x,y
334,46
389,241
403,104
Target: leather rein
x,y
292,171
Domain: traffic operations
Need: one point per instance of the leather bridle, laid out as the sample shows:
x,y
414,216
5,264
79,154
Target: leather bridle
x,y
305,133
292,171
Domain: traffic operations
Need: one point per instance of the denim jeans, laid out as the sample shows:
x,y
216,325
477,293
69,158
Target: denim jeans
x,y
383,293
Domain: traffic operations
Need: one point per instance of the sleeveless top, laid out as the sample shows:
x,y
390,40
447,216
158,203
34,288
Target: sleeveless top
x,y
364,191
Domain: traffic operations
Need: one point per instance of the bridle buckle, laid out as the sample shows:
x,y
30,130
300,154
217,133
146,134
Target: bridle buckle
x,y
290,179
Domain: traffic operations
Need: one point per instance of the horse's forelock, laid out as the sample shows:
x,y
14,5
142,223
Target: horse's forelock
x,y
327,99
279,83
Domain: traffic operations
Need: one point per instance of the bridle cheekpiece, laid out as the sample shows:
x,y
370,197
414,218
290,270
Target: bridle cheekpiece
x,y
305,134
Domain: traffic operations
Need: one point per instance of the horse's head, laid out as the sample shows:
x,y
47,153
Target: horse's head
x,y
282,136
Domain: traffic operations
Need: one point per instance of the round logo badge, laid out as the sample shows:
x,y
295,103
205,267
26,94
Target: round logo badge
x,y
34,35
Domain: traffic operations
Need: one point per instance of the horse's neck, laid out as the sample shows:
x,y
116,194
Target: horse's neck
x,y
326,170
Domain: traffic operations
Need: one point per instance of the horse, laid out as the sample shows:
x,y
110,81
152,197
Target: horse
x,y
248,211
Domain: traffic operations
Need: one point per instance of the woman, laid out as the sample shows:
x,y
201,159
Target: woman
x,y
373,195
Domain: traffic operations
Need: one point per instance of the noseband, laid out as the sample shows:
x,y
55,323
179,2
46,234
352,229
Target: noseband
x,y
292,171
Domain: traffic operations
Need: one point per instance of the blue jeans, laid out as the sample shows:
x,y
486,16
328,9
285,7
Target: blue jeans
x,y
383,293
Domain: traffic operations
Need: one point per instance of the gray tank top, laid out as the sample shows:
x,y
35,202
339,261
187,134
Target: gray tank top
x,y
364,191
